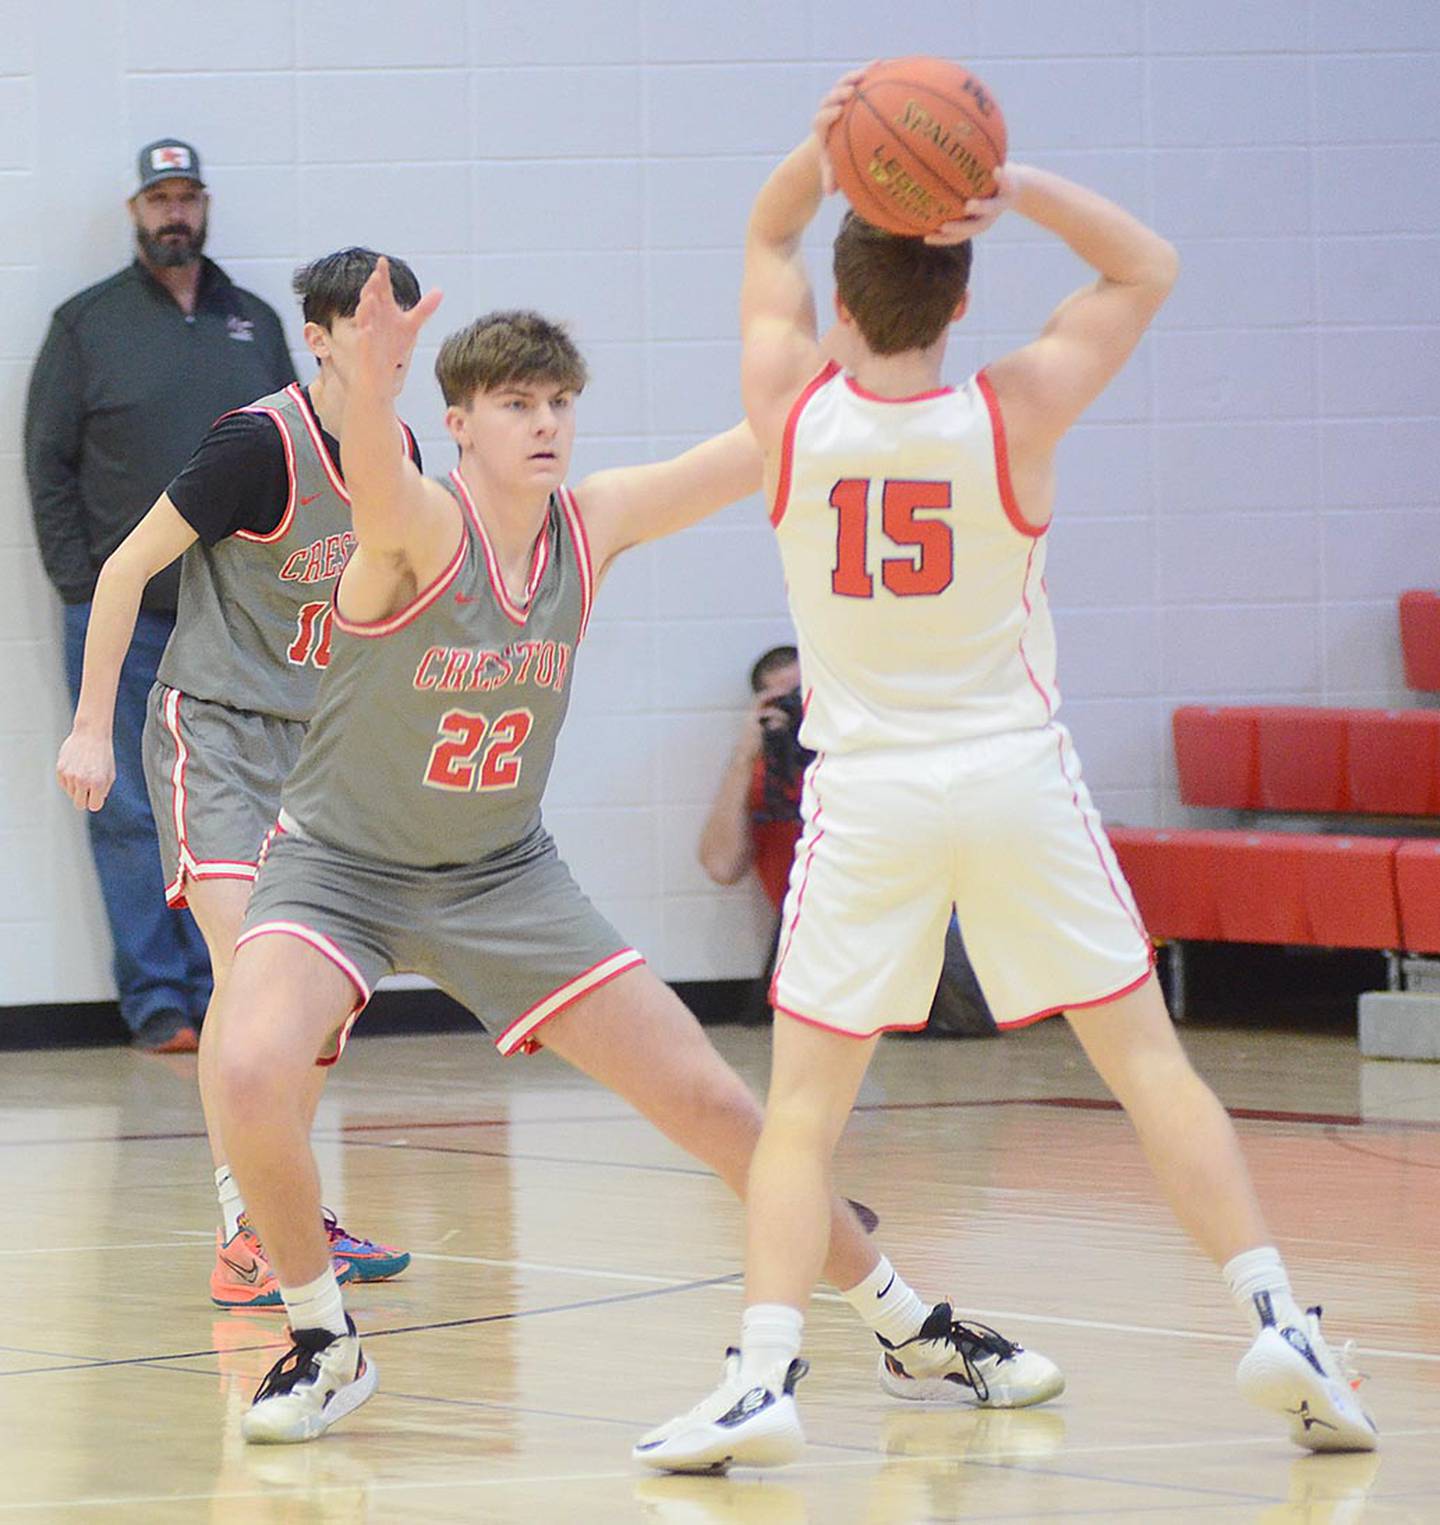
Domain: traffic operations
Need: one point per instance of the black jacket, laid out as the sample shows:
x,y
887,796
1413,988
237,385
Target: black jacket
x,y
124,389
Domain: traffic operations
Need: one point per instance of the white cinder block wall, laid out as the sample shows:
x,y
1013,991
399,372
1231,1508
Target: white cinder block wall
x,y
1236,516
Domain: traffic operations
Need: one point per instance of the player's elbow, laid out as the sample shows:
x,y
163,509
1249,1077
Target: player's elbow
x,y
130,565
1164,266
724,868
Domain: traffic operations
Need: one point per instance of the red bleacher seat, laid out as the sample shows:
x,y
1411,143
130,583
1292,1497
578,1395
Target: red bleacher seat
x,y
1392,758
1301,755
1260,887
1420,638
1350,895
1215,756
1417,879
1169,873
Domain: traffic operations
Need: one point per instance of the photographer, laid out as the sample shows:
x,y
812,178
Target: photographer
x,y
755,821
756,815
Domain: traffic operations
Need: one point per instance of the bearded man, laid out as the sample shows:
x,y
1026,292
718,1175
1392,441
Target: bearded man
x,y
132,373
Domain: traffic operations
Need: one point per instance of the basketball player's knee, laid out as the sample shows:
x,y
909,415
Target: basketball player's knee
x,y
806,1118
254,1071
1152,1081
727,1104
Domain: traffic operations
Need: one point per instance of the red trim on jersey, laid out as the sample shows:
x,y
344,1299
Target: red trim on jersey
x,y
787,440
326,1061
175,896
1099,1000
1126,903
1002,462
327,949
517,614
296,393
374,629
177,786
860,391
576,520
811,780
842,1032
519,1036
1035,683
288,444
187,865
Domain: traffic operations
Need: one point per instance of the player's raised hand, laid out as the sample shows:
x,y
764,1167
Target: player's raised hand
x,y
828,113
385,332
86,768
983,213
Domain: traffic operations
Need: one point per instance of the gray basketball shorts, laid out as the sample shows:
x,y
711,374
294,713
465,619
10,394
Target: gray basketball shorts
x,y
510,937
214,776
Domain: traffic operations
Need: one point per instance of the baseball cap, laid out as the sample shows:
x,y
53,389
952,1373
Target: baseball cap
x,y
168,159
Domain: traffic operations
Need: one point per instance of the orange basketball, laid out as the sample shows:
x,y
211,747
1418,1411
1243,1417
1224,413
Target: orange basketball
x,y
919,138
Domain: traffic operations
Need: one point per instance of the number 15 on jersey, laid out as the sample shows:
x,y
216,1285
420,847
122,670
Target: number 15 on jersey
x,y
928,567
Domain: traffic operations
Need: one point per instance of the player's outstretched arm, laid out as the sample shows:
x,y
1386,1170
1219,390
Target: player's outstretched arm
x,y
1046,385
86,764
399,518
630,504
779,348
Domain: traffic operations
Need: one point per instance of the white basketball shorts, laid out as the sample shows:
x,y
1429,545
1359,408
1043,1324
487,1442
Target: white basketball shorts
x,y
1002,828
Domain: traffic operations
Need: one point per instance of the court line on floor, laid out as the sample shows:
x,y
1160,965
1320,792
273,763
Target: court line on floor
x,y
569,1161
90,1249
1071,1103
377,1334
1352,1147
540,1265
997,1455
1108,1104
666,1284
821,1295
630,1474
1003,1315
852,1457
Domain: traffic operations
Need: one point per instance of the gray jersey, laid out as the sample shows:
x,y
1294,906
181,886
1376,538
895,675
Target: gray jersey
x,y
436,728
253,627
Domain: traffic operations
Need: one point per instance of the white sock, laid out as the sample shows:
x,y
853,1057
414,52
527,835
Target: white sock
x,y
232,1204
316,1305
769,1337
1261,1289
887,1304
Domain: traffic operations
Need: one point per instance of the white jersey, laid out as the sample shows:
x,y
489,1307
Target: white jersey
x,y
917,589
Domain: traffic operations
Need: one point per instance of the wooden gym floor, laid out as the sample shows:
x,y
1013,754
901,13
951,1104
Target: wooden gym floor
x,y
575,1282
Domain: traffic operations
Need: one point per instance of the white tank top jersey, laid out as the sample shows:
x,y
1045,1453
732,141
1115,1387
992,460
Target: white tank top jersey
x,y
917,589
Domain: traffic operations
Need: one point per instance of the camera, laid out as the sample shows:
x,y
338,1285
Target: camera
x,y
785,759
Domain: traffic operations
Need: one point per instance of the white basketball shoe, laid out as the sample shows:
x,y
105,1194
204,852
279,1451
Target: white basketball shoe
x,y
952,1360
1292,1371
321,1378
752,1423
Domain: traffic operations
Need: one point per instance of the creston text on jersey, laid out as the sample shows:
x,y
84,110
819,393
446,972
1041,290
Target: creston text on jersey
x,y
319,561
452,668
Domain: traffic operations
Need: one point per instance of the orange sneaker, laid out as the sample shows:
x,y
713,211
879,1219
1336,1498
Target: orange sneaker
x,y
242,1277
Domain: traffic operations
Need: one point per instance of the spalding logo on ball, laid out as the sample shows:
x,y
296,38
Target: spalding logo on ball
x,y
919,138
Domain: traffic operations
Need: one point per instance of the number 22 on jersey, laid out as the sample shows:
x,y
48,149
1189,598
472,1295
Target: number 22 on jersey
x,y
930,566
457,761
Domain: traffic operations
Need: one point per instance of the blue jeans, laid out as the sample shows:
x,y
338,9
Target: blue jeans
x,y
161,961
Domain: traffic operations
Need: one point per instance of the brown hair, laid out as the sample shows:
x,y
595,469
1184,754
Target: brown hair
x,y
902,292
506,347
329,287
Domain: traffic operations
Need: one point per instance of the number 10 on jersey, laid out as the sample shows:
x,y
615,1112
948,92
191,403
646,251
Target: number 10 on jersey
x,y
930,566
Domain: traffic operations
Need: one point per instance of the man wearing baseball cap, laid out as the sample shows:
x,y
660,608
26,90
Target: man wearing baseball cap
x,y
133,372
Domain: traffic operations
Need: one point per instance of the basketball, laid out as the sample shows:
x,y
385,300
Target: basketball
x,y
919,138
